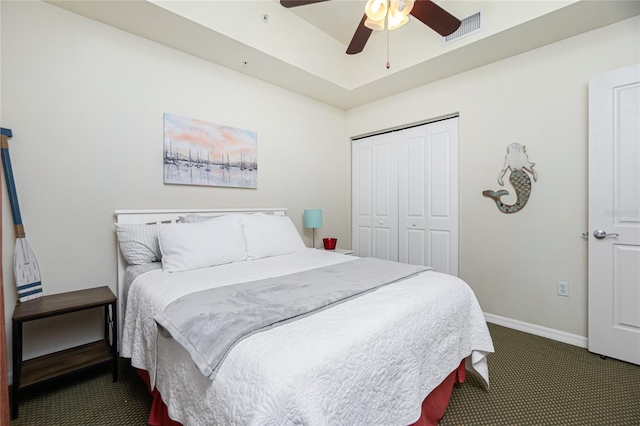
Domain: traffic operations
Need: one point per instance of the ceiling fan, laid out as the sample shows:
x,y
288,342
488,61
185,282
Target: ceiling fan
x,y
425,11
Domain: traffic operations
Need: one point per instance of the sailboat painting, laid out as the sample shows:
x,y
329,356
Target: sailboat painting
x,y
200,153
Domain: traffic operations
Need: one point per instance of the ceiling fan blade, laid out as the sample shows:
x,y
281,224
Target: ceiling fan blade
x,y
435,17
360,38
295,3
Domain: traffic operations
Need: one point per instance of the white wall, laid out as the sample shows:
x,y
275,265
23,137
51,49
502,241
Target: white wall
x,y
85,102
538,99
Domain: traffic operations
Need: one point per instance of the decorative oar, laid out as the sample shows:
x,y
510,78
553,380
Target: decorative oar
x,y
25,265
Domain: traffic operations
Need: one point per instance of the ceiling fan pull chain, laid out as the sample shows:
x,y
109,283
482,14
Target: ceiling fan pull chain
x,y
388,63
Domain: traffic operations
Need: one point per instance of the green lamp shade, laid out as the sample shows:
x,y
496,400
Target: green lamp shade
x,y
313,218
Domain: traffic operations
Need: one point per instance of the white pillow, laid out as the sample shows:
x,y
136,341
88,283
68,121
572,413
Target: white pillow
x,y
194,218
268,235
138,243
187,246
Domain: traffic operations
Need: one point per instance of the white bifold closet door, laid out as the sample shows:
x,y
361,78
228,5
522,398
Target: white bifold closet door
x,y
405,196
375,197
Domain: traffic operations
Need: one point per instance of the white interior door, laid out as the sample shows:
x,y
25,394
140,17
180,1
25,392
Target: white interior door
x,y
385,196
362,198
375,197
442,201
413,194
428,195
614,214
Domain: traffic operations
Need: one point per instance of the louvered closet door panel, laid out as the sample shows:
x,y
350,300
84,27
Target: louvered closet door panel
x,y
442,195
362,188
412,196
385,197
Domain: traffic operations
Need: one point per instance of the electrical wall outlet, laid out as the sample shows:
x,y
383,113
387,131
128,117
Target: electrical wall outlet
x,y
563,288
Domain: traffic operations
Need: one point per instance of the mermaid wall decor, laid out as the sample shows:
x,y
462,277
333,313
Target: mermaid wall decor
x,y
518,161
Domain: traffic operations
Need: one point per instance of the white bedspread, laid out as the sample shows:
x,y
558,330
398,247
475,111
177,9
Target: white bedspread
x,y
369,361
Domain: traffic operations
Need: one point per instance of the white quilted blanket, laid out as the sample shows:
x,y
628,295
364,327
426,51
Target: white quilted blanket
x,y
369,361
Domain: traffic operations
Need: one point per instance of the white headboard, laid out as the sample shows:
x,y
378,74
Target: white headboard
x,y
165,216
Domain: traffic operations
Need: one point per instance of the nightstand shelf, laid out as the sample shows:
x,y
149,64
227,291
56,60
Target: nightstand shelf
x,y
61,363
47,367
341,251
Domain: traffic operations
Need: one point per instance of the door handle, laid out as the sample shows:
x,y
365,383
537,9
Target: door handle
x,y
600,234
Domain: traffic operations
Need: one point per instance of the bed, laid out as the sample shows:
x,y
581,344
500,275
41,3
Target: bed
x,y
387,356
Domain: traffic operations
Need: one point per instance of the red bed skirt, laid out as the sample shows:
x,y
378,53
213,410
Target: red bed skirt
x,y
433,406
436,403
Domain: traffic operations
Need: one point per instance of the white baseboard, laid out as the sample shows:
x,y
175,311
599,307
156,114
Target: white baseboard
x,y
550,333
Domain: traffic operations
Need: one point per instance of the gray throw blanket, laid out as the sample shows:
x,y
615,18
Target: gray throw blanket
x,y
209,323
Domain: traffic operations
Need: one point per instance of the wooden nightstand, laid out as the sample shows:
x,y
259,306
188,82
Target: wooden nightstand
x,y
46,367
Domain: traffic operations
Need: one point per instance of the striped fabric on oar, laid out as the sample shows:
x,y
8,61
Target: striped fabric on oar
x,y
25,265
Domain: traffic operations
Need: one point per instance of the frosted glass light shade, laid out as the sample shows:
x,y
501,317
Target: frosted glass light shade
x,y
313,218
376,9
394,12
398,14
400,7
374,25
396,21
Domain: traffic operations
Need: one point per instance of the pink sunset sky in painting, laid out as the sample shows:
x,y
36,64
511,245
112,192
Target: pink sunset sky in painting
x,y
182,134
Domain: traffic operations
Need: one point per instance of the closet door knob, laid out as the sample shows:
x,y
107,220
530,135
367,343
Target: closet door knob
x,y
381,222
414,224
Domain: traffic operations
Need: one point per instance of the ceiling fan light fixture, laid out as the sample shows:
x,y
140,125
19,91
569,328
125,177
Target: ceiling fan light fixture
x,y
401,7
397,21
374,25
376,10
398,13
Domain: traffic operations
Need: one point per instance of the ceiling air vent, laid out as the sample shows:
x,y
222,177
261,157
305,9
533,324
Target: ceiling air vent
x,y
470,25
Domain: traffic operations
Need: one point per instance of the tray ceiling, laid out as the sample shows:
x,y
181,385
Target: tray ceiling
x,y
303,48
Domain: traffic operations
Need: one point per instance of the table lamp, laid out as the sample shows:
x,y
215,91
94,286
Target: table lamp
x,y
313,219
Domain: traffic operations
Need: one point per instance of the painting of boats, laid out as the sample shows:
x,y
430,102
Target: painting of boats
x,y
197,152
